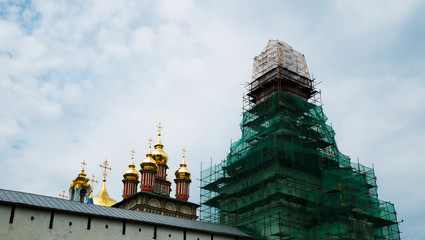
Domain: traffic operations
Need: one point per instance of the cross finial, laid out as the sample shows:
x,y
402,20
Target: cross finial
x,y
184,152
93,181
83,163
150,142
159,129
184,155
63,195
105,166
132,153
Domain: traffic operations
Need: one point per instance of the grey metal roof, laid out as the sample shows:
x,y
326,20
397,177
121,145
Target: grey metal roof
x,y
58,204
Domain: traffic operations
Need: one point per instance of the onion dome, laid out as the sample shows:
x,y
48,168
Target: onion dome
x,y
148,163
158,153
183,172
103,198
80,181
131,173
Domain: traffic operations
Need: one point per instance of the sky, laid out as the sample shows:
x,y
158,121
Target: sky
x,y
91,80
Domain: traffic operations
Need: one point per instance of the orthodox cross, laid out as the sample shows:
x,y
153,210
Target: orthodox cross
x,y
150,142
105,166
184,152
159,128
93,181
83,163
132,153
63,195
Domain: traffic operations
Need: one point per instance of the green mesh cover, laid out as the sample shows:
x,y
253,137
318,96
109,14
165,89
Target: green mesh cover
x,y
286,179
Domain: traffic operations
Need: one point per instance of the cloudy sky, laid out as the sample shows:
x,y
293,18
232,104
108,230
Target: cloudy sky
x,y
90,80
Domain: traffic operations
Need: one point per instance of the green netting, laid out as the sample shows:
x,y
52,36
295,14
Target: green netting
x,y
286,179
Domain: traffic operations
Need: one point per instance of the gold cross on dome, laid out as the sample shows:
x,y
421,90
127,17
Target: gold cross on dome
x,y
93,181
105,166
159,128
83,163
150,142
63,195
184,152
132,153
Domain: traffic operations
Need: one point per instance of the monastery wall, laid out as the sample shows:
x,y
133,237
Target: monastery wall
x,y
39,224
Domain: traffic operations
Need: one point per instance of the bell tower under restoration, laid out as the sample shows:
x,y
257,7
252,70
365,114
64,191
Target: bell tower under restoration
x,y
285,178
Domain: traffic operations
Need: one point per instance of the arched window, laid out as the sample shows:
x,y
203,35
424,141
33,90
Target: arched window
x,y
82,194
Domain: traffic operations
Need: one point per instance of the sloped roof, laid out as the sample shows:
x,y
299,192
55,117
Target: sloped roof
x,y
64,205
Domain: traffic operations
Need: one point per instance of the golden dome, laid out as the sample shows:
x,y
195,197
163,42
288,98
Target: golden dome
x,y
131,173
80,180
148,163
183,172
158,153
103,198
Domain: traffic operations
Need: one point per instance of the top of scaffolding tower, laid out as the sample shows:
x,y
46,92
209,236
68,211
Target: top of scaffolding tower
x,y
278,53
280,68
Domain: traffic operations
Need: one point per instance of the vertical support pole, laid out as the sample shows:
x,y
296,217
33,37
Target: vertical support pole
x,y
52,216
12,215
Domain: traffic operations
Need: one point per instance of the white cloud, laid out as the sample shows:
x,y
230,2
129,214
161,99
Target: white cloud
x,y
143,40
367,16
91,80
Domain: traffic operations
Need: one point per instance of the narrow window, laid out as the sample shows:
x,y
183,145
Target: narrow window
x,y
140,229
52,215
169,235
154,232
106,226
12,214
184,234
70,223
212,236
89,223
32,217
123,227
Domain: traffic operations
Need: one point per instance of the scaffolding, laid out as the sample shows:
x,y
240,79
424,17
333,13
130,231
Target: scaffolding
x,y
285,178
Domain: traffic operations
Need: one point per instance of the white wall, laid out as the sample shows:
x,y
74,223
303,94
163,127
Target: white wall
x,y
67,226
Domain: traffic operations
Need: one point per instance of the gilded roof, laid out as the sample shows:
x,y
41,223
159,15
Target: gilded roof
x,y
80,181
103,198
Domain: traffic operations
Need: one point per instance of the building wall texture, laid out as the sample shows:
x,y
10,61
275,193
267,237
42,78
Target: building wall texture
x,y
38,224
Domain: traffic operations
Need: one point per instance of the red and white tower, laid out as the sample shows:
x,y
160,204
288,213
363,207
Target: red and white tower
x,y
131,179
182,180
162,184
148,171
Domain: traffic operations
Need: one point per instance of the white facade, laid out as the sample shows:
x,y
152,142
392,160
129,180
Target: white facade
x,y
27,222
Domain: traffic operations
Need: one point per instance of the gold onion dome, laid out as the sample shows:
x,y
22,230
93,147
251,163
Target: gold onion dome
x,y
158,153
148,163
183,172
131,173
80,180
103,198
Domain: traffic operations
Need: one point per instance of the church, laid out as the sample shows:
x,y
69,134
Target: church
x,y
153,195
145,212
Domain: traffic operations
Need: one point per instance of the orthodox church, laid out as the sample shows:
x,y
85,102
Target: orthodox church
x,y
155,188
147,212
